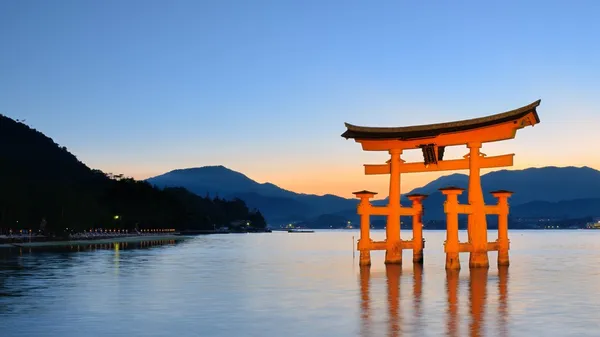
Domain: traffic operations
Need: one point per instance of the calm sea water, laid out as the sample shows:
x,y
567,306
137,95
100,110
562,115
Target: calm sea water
x,y
282,284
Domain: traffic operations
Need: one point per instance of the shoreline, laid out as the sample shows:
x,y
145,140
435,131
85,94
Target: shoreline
x,y
65,243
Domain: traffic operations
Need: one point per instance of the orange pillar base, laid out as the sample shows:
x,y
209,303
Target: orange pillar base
x,y
503,258
452,261
393,255
418,256
479,260
365,258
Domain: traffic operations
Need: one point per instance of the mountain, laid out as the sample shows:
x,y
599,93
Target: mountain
x,y
279,206
577,208
217,180
42,182
545,188
548,191
550,183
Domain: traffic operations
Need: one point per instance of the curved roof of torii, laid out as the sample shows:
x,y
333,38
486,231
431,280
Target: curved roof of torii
x,y
432,130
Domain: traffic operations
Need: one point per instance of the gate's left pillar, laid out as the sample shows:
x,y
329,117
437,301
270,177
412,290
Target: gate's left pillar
x,y
452,246
365,242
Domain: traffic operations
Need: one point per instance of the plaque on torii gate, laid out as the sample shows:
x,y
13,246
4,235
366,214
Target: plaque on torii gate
x,y
432,140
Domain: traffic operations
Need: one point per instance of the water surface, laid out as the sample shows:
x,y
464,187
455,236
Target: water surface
x,y
300,284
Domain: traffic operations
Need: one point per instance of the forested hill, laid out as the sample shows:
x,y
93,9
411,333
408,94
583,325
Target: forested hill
x,y
41,180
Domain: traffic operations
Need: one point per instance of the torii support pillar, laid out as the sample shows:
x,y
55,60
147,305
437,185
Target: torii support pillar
x,y
503,242
477,225
393,252
451,246
417,225
365,242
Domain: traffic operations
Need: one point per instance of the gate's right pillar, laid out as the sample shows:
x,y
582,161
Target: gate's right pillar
x,y
503,242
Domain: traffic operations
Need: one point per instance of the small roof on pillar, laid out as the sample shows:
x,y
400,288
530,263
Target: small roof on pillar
x,y
416,195
451,188
364,192
432,130
501,191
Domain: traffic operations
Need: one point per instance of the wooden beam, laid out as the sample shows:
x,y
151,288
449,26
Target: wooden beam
x,y
468,247
492,246
377,169
407,211
492,209
444,165
465,247
383,245
487,134
407,244
464,209
378,210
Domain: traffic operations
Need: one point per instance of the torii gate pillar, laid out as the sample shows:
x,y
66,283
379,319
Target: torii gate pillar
x,y
477,225
393,252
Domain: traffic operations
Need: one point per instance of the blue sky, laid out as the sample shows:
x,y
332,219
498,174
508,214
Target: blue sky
x,y
263,87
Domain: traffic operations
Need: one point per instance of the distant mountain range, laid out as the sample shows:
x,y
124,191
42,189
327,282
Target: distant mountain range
x,y
279,206
560,192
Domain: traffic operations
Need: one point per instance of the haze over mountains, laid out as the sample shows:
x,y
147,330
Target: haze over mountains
x,y
561,192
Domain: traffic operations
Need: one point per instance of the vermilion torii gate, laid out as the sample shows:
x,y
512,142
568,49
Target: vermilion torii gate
x,y
432,140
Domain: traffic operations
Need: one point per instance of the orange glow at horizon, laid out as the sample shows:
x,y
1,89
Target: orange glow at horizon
x,y
328,164
344,181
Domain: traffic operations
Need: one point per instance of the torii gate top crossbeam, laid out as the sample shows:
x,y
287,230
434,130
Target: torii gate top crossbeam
x,y
492,128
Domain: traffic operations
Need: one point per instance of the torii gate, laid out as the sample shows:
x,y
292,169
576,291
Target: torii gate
x,y
432,139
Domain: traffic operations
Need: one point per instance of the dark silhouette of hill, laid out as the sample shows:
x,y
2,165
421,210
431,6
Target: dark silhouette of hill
x,y
42,180
278,210
532,184
549,187
577,208
545,188
216,180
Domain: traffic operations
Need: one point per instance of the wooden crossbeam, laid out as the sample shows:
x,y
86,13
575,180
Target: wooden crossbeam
x,y
443,165
378,210
385,210
383,245
466,209
492,246
464,247
492,209
407,211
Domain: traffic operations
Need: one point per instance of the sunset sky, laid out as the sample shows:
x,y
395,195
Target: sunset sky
x,y
264,87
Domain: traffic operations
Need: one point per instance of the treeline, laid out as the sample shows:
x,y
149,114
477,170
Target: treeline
x,y
42,184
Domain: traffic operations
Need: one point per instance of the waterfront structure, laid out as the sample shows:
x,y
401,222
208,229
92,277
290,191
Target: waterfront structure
x,y
432,140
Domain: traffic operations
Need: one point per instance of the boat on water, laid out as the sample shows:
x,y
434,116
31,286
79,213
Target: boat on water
x,y
300,231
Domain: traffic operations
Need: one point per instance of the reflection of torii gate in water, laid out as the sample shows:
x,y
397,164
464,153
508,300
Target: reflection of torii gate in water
x,y
432,140
476,303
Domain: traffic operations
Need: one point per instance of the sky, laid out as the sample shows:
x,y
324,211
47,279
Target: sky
x,y
264,87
